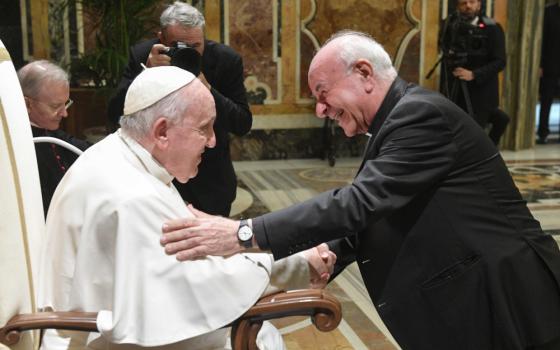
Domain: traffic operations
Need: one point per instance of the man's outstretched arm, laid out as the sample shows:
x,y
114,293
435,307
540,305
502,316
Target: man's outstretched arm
x,y
192,238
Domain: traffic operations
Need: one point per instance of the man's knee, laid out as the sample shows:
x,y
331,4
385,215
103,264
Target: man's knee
x,y
499,117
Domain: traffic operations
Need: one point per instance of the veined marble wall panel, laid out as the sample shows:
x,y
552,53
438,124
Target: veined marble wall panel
x,y
394,24
253,31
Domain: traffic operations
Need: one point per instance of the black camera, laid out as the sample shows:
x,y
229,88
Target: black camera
x,y
463,43
185,57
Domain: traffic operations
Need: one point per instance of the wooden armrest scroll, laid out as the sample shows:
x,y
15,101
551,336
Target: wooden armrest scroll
x,y
324,310
76,321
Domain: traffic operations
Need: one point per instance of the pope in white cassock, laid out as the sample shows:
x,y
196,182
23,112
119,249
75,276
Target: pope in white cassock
x,y
104,224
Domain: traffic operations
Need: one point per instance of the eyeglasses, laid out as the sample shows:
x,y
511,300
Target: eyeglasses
x,y
57,108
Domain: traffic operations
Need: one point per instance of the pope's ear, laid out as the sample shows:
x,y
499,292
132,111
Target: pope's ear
x,y
159,132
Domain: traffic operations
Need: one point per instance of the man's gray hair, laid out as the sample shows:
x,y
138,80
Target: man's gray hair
x,y
172,107
37,74
183,14
355,45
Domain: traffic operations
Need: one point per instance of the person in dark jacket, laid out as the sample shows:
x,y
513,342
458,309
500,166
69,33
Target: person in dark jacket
x,y
447,247
47,97
474,54
214,188
549,68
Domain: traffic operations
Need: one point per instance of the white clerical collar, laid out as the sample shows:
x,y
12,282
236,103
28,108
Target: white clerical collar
x,y
150,163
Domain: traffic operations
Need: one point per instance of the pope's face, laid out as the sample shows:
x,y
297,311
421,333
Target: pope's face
x,y
193,37
188,140
47,109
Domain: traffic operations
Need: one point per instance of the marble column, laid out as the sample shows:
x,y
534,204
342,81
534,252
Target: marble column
x,y
40,29
520,94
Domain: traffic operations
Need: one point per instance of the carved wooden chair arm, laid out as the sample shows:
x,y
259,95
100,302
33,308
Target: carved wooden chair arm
x,y
72,320
324,310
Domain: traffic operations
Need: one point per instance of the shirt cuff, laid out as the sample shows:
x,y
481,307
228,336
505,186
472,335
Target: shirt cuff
x,y
260,233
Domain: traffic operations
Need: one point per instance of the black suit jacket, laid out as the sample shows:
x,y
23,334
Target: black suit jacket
x,y
53,161
214,188
448,250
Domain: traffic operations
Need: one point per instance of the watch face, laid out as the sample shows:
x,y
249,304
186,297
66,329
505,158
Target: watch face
x,y
245,233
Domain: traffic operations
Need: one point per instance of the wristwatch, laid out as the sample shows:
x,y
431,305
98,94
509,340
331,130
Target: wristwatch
x,y
245,234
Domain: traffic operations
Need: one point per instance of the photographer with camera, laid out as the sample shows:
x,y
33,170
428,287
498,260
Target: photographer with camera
x,y
181,43
473,54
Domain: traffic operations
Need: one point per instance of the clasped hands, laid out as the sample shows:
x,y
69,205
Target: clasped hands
x,y
193,238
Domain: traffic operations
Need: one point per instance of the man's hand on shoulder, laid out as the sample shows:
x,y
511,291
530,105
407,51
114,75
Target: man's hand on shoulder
x,y
157,57
193,238
321,265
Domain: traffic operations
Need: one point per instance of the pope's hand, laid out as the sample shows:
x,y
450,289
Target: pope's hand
x,y
321,265
157,57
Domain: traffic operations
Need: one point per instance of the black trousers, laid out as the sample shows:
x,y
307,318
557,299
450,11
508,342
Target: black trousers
x,y
498,121
497,118
547,88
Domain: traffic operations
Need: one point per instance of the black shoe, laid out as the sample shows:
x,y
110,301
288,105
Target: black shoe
x,y
541,141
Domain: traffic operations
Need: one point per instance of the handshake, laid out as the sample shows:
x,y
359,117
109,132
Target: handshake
x,y
321,265
192,238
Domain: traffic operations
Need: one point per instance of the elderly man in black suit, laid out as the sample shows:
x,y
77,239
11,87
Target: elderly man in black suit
x,y
448,250
214,188
47,97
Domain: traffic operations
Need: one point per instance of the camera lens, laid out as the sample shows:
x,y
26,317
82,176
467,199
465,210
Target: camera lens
x,y
188,59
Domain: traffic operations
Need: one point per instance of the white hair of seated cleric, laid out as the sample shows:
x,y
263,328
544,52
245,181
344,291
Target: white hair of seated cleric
x,y
153,94
37,75
355,45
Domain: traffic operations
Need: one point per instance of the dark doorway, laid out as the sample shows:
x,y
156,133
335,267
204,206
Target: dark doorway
x,y
10,30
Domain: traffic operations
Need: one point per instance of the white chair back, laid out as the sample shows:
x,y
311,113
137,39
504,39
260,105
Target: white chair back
x,y
22,224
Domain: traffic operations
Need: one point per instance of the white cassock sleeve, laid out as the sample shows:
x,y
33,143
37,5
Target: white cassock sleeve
x,y
158,300
288,273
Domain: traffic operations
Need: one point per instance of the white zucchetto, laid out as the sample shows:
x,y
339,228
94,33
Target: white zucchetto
x,y
152,85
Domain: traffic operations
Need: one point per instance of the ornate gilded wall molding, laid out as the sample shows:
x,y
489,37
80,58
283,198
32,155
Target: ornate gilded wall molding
x,y
302,29
252,28
411,33
46,30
